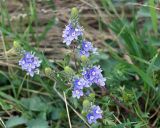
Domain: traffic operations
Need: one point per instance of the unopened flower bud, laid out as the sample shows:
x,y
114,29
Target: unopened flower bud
x,y
84,59
86,105
17,48
16,44
48,71
68,70
92,96
14,49
74,13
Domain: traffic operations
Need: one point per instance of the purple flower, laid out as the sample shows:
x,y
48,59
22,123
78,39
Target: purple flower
x,y
94,114
70,33
83,52
30,64
77,93
80,83
91,119
97,111
86,48
94,75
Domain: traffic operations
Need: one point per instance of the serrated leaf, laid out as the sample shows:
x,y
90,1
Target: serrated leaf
x,y
37,123
15,121
56,114
34,104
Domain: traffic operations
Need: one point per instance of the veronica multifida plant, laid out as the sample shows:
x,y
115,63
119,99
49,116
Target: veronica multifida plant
x,y
87,74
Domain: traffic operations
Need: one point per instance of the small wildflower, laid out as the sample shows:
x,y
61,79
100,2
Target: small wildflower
x,y
94,114
84,59
30,64
74,13
84,53
80,83
70,33
68,70
48,71
91,119
86,48
94,75
77,93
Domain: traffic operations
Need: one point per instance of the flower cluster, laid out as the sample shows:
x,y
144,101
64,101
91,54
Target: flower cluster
x,y
91,74
70,33
30,63
86,48
94,114
79,84
94,75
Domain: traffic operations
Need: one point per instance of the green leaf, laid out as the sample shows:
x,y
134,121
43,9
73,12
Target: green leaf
x,y
9,98
4,105
143,75
150,68
15,121
122,125
153,15
34,104
144,12
66,60
109,121
57,113
37,123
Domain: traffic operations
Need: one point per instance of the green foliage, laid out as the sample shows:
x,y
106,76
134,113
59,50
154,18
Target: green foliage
x,y
15,121
37,123
34,104
128,54
153,15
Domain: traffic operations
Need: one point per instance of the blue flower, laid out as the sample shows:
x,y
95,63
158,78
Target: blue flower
x,y
30,64
83,52
77,93
86,48
80,83
94,75
91,119
70,33
94,114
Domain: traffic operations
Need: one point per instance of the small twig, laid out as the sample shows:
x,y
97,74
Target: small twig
x,y
2,123
59,94
157,111
20,88
144,5
65,100
118,120
4,46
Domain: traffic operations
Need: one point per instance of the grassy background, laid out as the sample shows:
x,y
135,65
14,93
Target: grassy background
x,y
127,35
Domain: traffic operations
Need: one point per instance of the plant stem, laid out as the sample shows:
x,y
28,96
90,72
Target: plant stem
x,y
75,60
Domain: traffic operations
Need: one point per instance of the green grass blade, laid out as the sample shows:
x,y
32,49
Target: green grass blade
x,y
153,15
